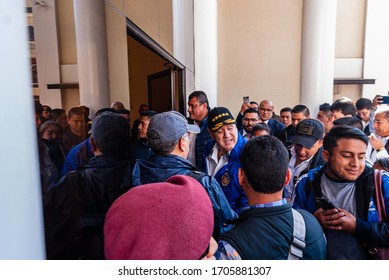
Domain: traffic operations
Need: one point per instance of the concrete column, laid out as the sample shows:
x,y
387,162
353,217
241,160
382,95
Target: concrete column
x,y
92,58
376,57
318,53
47,52
183,40
20,192
205,22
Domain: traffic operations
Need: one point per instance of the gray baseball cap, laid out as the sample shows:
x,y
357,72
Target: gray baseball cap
x,y
170,126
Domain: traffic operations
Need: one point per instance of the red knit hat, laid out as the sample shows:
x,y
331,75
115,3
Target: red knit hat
x,y
171,220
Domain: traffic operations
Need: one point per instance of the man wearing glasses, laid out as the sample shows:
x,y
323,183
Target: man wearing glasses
x,y
266,108
250,119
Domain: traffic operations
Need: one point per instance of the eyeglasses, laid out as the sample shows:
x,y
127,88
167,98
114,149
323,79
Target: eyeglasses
x,y
250,120
266,110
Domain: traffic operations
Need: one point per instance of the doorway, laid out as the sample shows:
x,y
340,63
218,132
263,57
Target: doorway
x,y
160,91
156,77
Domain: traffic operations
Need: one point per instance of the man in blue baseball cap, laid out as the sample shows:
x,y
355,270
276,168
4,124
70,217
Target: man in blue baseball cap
x,y
168,135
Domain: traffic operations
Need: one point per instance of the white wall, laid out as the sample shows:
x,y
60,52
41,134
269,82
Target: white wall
x,y
376,62
21,234
206,66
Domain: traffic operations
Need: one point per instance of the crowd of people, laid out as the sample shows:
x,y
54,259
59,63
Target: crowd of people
x,y
214,186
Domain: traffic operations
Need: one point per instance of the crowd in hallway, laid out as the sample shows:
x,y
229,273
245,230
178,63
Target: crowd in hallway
x,y
253,184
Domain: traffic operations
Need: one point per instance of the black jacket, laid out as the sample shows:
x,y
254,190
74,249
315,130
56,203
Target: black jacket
x,y
75,207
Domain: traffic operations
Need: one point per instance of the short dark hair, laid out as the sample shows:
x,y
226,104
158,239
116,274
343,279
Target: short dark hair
x,y
350,121
301,109
158,146
148,114
260,127
106,109
265,162
285,109
55,114
325,107
76,111
363,103
342,131
201,97
251,110
124,112
345,107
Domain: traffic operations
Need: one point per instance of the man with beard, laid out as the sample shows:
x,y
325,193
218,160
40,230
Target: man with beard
x,y
250,118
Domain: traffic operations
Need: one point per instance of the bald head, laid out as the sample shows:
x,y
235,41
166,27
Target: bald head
x,y
266,109
117,105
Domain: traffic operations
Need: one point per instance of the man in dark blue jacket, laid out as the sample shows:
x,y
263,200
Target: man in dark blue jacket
x,y
198,109
265,229
266,110
169,138
347,182
221,155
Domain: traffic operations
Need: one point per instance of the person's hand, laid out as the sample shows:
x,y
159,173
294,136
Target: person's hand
x,y
377,100
244,107
376,144
336,219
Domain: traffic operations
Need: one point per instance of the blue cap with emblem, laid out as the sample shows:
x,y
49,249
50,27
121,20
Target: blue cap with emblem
x,y
218,117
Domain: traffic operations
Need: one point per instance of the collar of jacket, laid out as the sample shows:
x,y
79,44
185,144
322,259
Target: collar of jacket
x,y
364,186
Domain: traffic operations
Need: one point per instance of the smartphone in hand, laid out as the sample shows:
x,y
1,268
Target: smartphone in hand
x,y
246,99
324,203
385,100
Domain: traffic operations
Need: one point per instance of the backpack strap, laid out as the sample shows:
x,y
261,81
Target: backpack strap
x,y
379,197
298,241
198,175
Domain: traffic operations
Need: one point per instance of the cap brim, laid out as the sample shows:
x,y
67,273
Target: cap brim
x,y
193,128
307,142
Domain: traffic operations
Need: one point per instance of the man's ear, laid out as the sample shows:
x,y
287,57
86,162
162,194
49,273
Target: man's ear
x,y
326,155
287,177
242,177
181,144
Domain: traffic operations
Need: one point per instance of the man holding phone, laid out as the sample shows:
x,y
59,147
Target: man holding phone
x,y
347,182
245,105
